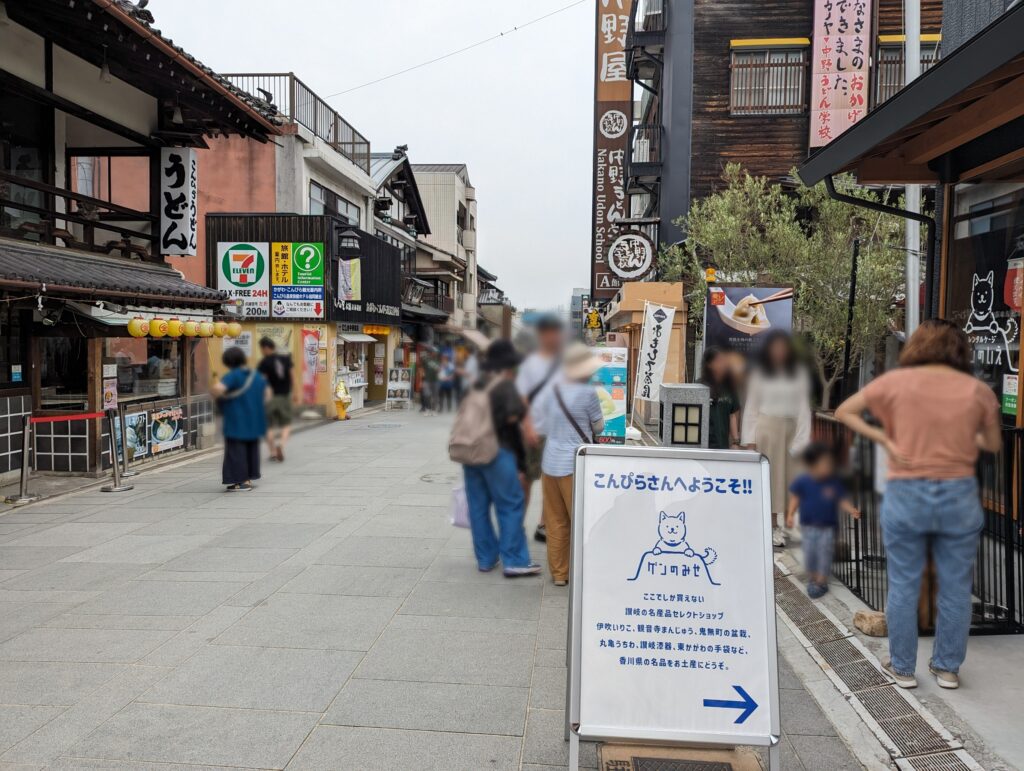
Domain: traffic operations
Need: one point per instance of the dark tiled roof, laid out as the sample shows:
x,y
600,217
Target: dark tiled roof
x,y
55,266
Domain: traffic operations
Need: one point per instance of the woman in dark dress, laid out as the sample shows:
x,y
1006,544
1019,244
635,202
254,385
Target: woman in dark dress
x,y
242,395
724,418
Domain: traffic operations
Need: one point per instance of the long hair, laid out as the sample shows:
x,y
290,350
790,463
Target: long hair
x,y
938,341
764,360
715,386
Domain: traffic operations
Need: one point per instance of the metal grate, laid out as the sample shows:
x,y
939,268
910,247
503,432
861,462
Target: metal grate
x,y
839,653
663,764
821,632
944,761
861,675
913,736
885,704
800,610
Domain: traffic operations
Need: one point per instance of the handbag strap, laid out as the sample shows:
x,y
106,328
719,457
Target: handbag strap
x,y
239,391
565,410
547,377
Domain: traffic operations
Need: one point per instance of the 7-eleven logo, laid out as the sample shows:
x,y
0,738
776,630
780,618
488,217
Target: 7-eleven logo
x,y
243,265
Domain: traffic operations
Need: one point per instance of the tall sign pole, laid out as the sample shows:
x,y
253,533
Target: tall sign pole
x,y
912,70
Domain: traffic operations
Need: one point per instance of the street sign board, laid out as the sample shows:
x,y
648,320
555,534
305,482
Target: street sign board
x,y
297,278
244,273
672,606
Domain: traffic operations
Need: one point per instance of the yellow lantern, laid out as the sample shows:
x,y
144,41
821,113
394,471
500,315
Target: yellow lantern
x,y
157,327
206,329
191,328
220,328
234,329
174,328
138,327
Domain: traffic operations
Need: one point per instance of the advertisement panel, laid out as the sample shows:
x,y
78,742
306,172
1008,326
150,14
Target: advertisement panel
x,y
166,429
399,385
610,381
733,320
297,280
243,271
840,66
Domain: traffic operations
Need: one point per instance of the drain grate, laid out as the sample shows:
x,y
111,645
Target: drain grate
x,y
821,632
385,426
885,704
662,764
860,676
944,761
913,736
800,610
839,653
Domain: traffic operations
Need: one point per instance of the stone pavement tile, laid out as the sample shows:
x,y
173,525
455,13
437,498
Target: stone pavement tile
x,y
428,523
90,764
197,735
787,677
66,597
460,568
140,549
104,646
550,657
308,513
18,617
416,498
373,749
6,575
383,552
211,576
194,638
12,528
50,683
104,621
824,753
30,557
353,580
212,558
258,591
79,576
477,709
188,525
801,714
44,512
554,626
313,621
270,535
545,742
54,738
507,626
548,688
250,506
136,514
162,598
519,599
449,656
17,722
286,679
79,534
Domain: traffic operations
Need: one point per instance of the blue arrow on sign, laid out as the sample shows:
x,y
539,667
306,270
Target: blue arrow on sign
x,y
748,705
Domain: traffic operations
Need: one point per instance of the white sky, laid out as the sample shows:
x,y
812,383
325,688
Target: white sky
x,y
517,110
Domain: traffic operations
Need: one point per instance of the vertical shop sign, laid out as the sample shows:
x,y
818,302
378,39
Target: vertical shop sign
x,y
350,280
613,109
653,354
310,361
297,280
179,201
840,62
244,273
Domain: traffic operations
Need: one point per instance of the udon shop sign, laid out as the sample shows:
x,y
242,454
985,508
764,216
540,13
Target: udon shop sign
x,y
840,66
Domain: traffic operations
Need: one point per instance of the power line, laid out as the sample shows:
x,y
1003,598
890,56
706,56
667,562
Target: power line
x,y
459,51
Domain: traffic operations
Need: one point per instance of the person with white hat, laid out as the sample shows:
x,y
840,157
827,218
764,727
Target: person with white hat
x,y
573,418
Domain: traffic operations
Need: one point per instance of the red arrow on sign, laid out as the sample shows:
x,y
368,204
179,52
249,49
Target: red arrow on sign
x,y
316,309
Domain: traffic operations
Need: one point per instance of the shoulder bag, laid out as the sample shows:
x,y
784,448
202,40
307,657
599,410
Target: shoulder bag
x,y
565,411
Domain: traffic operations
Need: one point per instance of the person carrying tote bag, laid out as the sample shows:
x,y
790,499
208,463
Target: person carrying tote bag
x,y
241,396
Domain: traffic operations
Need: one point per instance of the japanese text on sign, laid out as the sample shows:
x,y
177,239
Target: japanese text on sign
x,y
179,201
840,67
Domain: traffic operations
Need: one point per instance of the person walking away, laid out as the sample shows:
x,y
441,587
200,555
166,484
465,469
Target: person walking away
x,y
777,417
935,418
428,387
724,413
446,383
573,418
496,481
241,395
276,369
534,381
819,494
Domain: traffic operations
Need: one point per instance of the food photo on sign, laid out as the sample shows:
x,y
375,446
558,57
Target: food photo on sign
x,y
610,381
735,315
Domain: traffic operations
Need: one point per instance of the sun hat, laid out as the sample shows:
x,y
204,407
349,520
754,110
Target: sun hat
x,y
501,354
580,362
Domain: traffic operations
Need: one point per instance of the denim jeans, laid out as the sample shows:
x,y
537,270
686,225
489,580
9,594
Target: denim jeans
x,y
945,514
497,483
819,546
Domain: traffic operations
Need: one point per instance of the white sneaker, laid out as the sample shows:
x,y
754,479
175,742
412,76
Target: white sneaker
x,y
778,537
903,681
950,680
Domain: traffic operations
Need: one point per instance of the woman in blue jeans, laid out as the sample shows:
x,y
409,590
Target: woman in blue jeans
x,y
499,482
935,418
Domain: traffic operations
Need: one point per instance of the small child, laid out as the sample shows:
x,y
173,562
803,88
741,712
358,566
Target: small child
x,y
819,494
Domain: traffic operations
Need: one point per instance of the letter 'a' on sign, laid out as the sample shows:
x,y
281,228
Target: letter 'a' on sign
x,y
672,609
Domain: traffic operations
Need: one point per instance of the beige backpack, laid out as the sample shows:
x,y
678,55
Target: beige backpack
x,y
474,440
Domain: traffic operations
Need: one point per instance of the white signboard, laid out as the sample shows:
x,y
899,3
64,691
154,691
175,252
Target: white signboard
x,y
653,354
179,201
243,271
673,608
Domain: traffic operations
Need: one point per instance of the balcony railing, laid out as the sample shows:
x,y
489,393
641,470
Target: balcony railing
x,y
768,83
440,301
296,101
645,144
890,74
649,16
34,211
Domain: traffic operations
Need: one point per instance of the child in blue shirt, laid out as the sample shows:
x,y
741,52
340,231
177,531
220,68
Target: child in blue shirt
x,y
819,494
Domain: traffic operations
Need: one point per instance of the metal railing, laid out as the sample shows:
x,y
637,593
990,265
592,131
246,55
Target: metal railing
x,y
648,16
768,82
440,301
645,143
890,74
998,585
296,101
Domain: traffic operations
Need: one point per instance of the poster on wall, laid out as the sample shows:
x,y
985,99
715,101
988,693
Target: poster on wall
x,y
611,393
166,429
297,280
243,271
310,361
733,320
109,394
179,201
350,280
137,427
840,57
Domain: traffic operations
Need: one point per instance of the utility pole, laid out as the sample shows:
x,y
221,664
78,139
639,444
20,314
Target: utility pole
x,y
912,70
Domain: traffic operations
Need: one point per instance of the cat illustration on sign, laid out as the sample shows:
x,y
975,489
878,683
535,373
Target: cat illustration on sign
x,y
983,319
672,540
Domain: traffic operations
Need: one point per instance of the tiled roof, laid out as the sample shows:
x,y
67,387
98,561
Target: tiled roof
x,y
454,168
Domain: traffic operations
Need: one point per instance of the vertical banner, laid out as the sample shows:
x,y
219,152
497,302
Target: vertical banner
x,y
653,354
350,280
179,201
840,67
310,360
613,109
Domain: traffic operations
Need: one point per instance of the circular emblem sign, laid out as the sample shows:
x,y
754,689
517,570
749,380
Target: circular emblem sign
x,y
631,255
613,124
243,265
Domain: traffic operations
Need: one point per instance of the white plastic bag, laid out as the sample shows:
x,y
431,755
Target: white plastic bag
x,y
460,507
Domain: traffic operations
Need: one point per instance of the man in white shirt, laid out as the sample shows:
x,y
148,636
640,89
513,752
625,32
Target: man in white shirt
x,y
537,374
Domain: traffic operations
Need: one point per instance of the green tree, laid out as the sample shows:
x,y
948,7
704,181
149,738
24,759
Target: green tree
x,y
754,230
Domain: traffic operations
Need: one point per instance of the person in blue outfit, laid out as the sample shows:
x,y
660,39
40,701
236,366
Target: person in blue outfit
x,y
499,483
241,395
819,494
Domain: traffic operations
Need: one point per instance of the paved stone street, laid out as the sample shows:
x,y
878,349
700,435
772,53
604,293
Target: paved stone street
x,y
332,619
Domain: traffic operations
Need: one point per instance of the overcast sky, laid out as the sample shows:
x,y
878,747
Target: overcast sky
x,y
517,110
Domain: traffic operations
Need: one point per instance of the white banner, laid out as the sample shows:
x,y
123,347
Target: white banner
x,y
653,354
179,201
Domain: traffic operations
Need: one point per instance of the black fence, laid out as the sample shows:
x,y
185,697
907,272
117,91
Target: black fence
x,y
860,561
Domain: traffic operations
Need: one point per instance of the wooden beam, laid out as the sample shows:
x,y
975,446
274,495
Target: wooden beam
x,y
980,171
893,171
990,112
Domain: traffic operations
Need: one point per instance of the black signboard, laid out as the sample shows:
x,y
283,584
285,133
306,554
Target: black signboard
x,y
366,282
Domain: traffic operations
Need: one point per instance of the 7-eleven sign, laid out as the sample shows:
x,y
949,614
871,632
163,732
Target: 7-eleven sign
x,y
244,274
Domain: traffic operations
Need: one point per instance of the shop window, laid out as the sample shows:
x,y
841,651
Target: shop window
x,y
890,74
13,345
63,373
325,201
146,369
768,81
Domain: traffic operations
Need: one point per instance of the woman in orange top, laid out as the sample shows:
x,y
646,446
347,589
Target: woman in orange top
x,y
935,418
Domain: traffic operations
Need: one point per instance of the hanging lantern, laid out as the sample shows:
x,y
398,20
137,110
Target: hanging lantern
x,y
158,327
174,327
234,329
220,328
191,328
138,327
206,329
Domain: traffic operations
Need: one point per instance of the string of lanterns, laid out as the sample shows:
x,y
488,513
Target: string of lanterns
x,y
158,327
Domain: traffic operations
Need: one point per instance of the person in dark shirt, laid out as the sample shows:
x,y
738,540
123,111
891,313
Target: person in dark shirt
x,y
724,415
276,368
819,494
241,395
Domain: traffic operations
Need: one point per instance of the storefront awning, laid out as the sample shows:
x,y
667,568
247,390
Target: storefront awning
x,y
69,274
424,312
356,337
957,122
